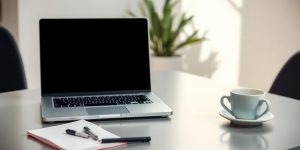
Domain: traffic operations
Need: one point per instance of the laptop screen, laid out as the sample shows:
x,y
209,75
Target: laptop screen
x,y
94,55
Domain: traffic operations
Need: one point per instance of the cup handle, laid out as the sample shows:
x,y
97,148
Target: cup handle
x,y
223,104
268,104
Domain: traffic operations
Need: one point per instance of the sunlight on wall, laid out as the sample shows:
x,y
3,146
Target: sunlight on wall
x,y
218,57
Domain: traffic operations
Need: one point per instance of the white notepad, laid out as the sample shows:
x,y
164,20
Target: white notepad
x,y
56,136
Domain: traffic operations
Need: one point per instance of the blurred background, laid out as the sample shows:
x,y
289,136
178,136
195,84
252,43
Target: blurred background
x,y
248,41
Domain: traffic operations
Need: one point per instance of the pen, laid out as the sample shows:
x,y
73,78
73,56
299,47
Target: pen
x,y
127,139
90,133
75,133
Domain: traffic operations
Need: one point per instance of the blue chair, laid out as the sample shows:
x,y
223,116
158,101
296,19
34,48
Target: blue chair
x,y
287,82
12,76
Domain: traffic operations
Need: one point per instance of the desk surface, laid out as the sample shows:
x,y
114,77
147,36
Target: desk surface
x,y
195,124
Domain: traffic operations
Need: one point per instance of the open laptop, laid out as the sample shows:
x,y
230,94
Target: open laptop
x,y
96,69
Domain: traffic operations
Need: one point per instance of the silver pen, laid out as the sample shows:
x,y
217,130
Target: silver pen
x,y
90,133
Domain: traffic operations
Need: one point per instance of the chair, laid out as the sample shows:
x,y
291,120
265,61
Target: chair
x,y
287,82
12,76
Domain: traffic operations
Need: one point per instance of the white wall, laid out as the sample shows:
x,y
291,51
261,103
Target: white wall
x,y
10,16
253,38
221,37
248,40
218,57
270,35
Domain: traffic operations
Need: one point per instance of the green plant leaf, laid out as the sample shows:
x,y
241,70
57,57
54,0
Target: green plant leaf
x,y
164,34
130,13
182,23
166,24
156,26
142,9
188,42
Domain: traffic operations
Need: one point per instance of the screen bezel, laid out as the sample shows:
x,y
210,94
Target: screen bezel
x,y
43,93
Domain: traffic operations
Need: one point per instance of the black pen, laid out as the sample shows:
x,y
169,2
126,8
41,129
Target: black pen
x,y
75,133
127,139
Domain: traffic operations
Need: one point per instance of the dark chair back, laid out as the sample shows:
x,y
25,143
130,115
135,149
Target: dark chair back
x,y
287,82
12,76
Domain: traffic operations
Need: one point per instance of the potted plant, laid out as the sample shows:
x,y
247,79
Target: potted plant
x,y
165,34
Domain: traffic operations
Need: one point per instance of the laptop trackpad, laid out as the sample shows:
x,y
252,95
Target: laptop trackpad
x,y
107,110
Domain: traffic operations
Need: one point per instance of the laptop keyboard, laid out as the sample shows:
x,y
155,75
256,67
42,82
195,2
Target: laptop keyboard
x,y
99,100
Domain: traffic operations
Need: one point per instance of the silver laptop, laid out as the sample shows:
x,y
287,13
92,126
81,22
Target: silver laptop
x,y
96,69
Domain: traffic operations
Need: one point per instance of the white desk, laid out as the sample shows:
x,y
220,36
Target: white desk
x,y
195,124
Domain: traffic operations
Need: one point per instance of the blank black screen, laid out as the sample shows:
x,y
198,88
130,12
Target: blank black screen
x,y
94,55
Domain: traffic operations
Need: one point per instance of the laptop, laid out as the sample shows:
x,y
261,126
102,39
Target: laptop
x,y
96,69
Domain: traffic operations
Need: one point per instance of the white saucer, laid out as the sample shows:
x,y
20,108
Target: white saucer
x,y
268,116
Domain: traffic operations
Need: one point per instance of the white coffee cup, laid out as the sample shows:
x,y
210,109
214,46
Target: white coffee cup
x,y
246,103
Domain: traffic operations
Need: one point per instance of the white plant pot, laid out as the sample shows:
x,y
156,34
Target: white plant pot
x,y
158,63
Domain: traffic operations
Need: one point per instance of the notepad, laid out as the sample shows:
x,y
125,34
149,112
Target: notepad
x,y
56,136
